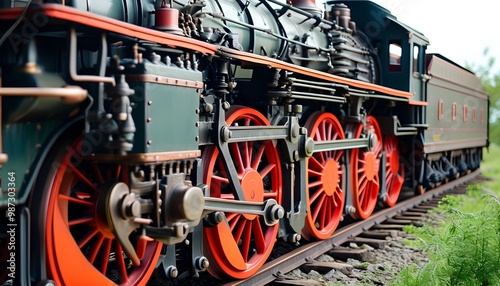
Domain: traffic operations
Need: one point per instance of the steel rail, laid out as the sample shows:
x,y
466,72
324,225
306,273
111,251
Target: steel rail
x,y
285,263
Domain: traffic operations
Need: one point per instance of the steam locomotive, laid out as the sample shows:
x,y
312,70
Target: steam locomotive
x,y
178,136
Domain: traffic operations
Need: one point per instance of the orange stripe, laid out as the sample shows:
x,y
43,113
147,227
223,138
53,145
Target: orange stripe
x,y
104,23
96,21
254,58
417,102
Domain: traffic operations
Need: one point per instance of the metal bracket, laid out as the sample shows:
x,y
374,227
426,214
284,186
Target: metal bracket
x,y
222,144
382,173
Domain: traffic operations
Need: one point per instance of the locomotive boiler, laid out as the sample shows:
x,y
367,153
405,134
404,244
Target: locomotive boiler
x,y
160,139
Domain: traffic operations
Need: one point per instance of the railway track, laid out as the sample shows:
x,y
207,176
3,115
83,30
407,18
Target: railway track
x,y
402,213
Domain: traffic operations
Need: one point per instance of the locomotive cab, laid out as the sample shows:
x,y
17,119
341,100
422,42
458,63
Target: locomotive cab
x,y
400,49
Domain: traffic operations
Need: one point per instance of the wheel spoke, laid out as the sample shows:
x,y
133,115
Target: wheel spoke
x,y
324,213
329,209
337,197
76,200
231,216
237,227
315,164
361,198
329,133
105,256
258,157
313,173
315,184
80,221
264,172
389,181
247,153
120,260
229,196
98,173
220,179
95,249
117,171
316,194
237,157
362,178
338,155
83,178
270,195
260,241
245,241
319,207
86,238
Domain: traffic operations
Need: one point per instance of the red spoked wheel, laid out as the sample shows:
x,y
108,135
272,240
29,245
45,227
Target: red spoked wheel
x,y
240,247
325,197
364,169
394,171
80,245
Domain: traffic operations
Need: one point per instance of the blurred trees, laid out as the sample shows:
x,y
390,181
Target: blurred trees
x,y
491,83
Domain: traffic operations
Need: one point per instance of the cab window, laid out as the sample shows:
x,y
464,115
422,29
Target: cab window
x,y
395,52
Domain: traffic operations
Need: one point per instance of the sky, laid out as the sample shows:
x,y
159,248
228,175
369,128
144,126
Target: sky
x,y
459,30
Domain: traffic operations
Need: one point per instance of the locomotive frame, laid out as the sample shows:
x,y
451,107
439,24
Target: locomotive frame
x,y
128,140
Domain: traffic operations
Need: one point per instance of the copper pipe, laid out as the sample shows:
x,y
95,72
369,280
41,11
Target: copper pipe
x,y
72,61
298,3
306,5
68,95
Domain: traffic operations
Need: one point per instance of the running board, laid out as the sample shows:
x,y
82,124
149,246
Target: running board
x,y
390,125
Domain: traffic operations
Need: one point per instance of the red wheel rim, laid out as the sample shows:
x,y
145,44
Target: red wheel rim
x,y
325,197
80,247
238,249
394,170
364,169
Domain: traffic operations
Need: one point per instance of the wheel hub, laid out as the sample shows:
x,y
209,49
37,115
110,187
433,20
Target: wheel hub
x,y
330,177
253,188
371,166
121,209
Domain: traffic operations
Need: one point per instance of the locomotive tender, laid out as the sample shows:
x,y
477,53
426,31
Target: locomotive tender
x,y
179,136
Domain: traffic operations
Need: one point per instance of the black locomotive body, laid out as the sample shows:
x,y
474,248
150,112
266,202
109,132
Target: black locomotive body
x,y
173,137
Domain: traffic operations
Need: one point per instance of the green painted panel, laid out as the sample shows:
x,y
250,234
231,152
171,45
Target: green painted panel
x,y
165,115
458,107
164,105
23,143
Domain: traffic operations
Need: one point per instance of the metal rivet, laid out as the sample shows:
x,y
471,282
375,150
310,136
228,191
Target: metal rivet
x,y
149,119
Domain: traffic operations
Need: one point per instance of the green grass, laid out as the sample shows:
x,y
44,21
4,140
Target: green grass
x,y
466,249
